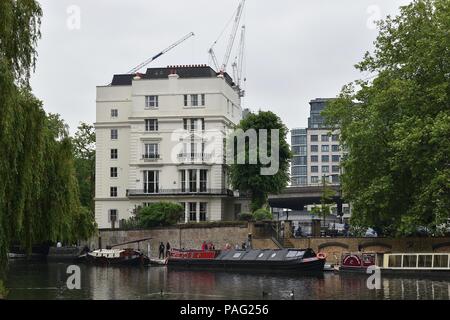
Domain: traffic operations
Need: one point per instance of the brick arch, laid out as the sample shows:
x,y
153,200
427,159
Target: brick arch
x,y
376,246
332,244
441,247
333,251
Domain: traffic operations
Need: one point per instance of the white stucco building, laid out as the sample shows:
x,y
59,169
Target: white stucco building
x,y
159,137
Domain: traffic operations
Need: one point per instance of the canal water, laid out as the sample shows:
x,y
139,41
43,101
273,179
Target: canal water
x,y
42,280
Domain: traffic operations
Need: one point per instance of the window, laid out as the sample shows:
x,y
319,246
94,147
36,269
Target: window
x,y
203,99
300,181
114,113
395,261
314,169
314,158
335,148
314,138
425,261
335,178
151,124
151,181
325,158
314,148
113,192
151,151
324,138
193,180
299,161
114,134
151,102
185,100
192,124
183,204
183,180
325,169
299,140
325,148
113,172
335,158
194,100
299,171
114,154
314,179
335,168
203,180
440,261
203,211
112,215
409,261
335,137
192,211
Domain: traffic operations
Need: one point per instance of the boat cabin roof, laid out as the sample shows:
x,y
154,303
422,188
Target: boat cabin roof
x,y
265,254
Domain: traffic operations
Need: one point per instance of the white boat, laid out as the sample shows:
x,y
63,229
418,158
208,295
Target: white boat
x,y
418,263
16,255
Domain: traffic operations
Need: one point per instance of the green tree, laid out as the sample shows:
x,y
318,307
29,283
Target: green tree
x,y
396,127
84,151
262,214
326,201
39,199
247,177
159,214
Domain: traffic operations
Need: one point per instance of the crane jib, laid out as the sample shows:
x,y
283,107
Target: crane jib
x,y
159,54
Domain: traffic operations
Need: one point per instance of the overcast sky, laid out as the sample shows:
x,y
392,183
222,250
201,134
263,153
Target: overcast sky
x,y
296,50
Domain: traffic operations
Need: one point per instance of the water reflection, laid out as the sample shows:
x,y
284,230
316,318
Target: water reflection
x,y
39,280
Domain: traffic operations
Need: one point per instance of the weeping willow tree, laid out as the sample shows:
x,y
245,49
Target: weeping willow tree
x,y
39,198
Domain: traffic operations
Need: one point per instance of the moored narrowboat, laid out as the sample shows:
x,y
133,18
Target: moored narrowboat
x,y
416,264
115,257
303,260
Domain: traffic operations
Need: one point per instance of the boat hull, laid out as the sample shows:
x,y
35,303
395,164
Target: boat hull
x,y
310,266
288,259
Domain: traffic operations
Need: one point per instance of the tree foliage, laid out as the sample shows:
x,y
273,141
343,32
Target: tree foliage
x,y
247,177
84,152
39,198
262,214
397,126
159,214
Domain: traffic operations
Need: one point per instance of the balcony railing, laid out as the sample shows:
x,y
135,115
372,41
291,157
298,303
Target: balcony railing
x,y
192,157
150,157
141,192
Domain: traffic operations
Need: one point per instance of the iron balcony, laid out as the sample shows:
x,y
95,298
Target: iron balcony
x,y
176,192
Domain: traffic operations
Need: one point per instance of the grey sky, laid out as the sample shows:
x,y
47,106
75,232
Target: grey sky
x,y
296,50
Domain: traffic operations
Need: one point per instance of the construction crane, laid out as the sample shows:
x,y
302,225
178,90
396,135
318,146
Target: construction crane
x,y
239,60
232,37
146,62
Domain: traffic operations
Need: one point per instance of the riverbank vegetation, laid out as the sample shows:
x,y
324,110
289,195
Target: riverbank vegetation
x,y
159,214
39,194
396,125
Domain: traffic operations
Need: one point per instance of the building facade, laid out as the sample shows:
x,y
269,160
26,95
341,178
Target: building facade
x,y
160,137
317,153
316,149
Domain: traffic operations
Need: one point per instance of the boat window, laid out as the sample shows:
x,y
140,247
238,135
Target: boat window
x,y
273,255
395,261
425,261
260,255
409,261
440,261
237,255
291,254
